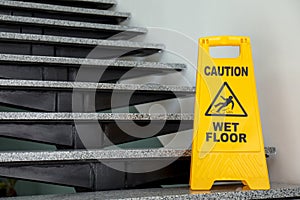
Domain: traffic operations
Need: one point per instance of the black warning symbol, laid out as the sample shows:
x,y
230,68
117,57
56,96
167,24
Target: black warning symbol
x,y
226,104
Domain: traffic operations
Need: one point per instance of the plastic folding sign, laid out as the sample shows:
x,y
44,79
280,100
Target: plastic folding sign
x,y
228,142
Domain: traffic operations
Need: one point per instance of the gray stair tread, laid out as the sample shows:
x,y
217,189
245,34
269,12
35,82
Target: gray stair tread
x,y
50,68
62,9
20,37
99,1
225,192
94,4
28,59
57,96
69,24
36,116
101,155
29,84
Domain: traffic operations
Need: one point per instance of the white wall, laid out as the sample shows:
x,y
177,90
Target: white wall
x,y
274,27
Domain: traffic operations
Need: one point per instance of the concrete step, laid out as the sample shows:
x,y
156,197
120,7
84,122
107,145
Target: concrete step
x,y
65,68
88,174
20,24
100,169
43,10
224,192
60,96
45,45
99,4
90,130
100,155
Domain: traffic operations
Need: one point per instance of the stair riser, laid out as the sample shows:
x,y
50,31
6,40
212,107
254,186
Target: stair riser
x,y
60,134
64,73
61,101
64,134
97,176
30,48
80,4
116,135
67,31
15,11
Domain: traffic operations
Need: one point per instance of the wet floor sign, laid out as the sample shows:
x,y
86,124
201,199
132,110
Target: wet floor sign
x,y
228,143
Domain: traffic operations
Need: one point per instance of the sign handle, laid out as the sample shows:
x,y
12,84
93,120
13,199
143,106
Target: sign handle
x,y
241,41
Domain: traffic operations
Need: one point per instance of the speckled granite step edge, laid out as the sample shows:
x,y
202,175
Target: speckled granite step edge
x,y
21,37
62,9
24,59
32,84
99,1
68,24
101,155
230,192
42,116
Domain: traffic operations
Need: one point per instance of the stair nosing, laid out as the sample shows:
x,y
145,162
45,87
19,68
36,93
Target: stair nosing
x,y
101,155
62,116
99,1
226,191
33,84
68,23
63,9
6,36
85,62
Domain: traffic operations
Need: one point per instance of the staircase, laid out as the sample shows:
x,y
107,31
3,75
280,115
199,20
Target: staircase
x,y
44,45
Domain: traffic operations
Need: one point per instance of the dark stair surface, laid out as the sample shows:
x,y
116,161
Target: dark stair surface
x,y
102,169
48,45
44,45
89,130
52,11
21,24
99,4
224,192
53,96
51,68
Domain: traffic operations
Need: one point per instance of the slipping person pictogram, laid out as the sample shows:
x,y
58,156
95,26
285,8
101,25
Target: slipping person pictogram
x,y
222,106
225,104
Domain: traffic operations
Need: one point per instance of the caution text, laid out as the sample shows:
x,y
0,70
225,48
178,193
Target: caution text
x,y
226,71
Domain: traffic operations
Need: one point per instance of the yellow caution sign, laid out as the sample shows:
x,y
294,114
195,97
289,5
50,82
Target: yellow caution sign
x,y
228,143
